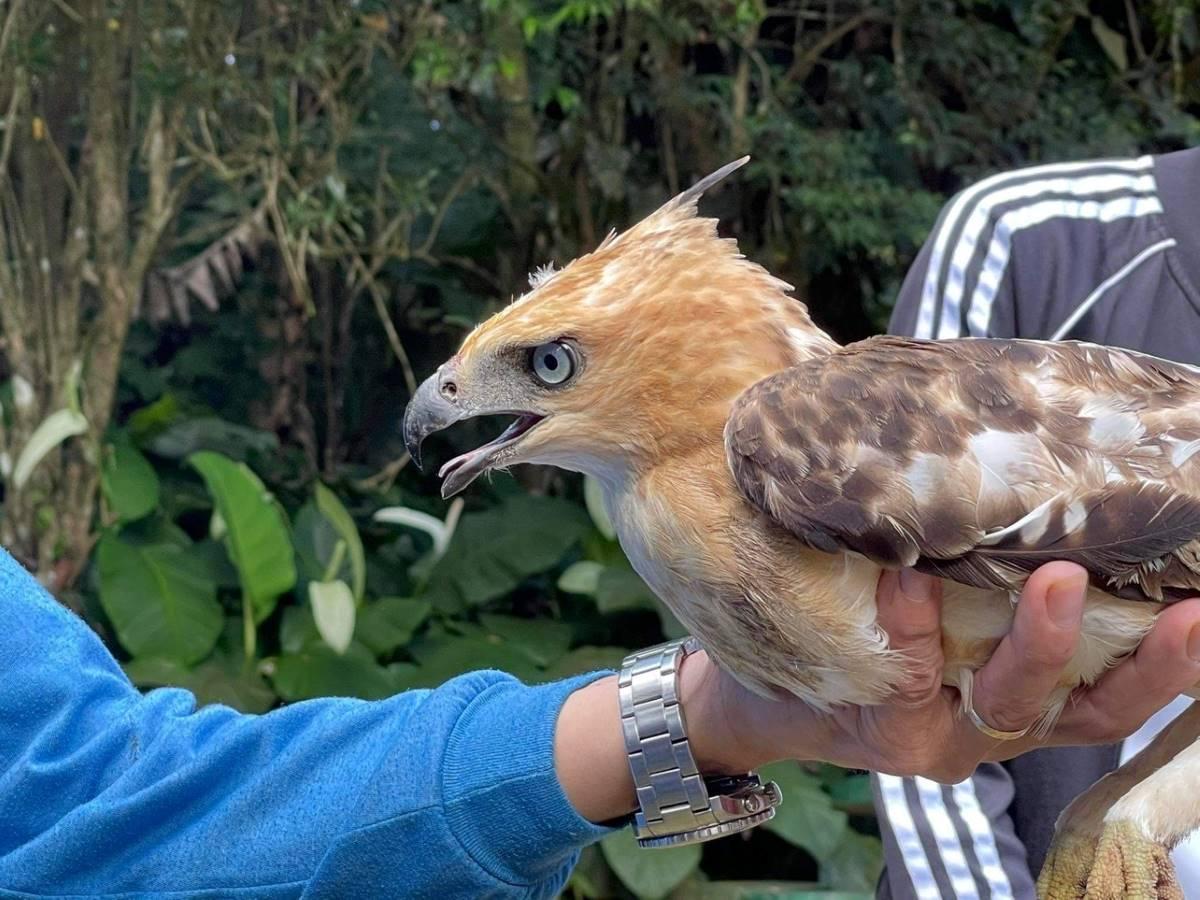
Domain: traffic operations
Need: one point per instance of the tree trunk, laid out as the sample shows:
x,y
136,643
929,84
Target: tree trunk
x,y
76,263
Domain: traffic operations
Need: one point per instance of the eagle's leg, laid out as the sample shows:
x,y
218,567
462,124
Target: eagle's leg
x,y
1115,839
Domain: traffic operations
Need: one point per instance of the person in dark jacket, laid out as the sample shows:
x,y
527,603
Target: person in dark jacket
x,y
1106,251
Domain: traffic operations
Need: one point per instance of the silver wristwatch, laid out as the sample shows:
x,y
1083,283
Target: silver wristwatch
x,y
677,804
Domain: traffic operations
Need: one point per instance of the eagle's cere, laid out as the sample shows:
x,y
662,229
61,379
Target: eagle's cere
x,y
759,475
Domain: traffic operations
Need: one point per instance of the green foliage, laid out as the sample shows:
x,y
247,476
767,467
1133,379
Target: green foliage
x,y
390,622
257,533
129,482
160,599
650,875
222,678
343,525
319,671
809,819
494,550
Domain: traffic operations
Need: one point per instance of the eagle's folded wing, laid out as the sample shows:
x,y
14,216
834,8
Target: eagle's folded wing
x,y
979,460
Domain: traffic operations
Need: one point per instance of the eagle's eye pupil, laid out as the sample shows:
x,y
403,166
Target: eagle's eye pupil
x,y
554,363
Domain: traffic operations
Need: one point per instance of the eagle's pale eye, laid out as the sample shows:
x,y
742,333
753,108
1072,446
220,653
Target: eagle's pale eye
x,y
554,363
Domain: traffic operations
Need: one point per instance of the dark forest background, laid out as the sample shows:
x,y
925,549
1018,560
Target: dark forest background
x,y
234,235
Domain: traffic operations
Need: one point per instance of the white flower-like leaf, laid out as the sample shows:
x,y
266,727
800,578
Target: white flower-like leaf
x,y
55,428
333,611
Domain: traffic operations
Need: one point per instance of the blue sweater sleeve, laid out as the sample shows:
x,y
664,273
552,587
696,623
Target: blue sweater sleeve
x,y
105,791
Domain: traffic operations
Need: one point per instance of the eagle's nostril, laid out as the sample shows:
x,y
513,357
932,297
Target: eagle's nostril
x,y
449,390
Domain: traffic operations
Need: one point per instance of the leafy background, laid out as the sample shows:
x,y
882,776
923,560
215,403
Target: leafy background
x,y
314,201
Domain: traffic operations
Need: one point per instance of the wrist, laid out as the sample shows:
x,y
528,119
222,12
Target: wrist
x,y
733,730
722,736
589,753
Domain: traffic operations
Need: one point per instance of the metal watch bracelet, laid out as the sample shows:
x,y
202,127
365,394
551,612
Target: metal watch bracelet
x,y
677,804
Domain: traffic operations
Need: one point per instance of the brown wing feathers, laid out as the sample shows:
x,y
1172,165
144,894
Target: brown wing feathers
x,y
1122,534
980,460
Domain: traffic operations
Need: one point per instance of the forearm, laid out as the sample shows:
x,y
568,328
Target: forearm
x,y
104,791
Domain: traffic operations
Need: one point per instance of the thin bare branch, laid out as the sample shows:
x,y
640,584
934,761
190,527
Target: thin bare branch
x,y
382,480
381,310
467,178
68,11
10,119
60,163
803,65
10,24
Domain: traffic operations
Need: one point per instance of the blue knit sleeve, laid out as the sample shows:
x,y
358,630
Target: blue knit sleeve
x,y
105,791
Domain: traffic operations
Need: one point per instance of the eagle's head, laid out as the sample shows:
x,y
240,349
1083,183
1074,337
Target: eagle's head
x,y
631,352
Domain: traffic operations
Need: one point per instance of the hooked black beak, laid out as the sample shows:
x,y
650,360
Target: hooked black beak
x,y
428,411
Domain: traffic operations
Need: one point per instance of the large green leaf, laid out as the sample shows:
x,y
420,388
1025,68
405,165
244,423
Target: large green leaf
x,y
444,657
620,588
223,678
855,864
257,537
585,659
216,558
129,482
317,671
494,551
333,510
807,817
542,640
388,623
650,874
160,599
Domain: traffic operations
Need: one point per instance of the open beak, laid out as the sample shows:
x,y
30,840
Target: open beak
x,y
429,411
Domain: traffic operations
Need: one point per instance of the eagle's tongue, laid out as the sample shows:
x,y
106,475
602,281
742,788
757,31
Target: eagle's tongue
x,y
462,470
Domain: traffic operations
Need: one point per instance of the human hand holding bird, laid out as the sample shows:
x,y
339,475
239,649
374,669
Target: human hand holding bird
x,y
761,478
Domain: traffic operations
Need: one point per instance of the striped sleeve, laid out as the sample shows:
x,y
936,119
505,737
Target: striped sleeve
x,y
950,841
963,282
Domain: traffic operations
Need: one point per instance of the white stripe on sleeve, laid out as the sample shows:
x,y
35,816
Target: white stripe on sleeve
x,y
1103,287
968,244
980,311
982,839
949,848
926,327
899,817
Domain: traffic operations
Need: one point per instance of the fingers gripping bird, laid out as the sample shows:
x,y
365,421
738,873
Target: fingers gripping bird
x,y
760,477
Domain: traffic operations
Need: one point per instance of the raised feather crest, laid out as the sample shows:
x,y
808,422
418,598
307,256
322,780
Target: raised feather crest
x,y
541,275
